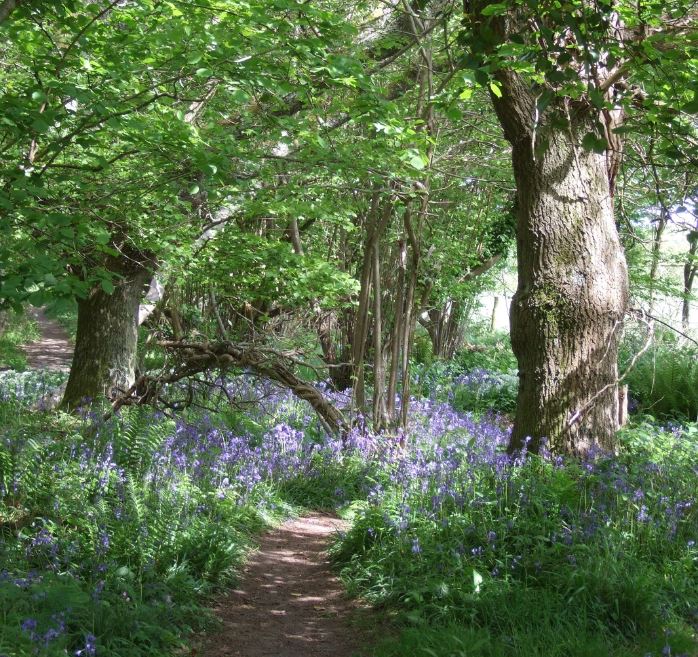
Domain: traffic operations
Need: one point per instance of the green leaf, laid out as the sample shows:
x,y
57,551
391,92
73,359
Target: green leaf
x,y
597,98
466,94
691,107
495,89
417,161
40,125
497,9
107,285
454,114
594,142
477,581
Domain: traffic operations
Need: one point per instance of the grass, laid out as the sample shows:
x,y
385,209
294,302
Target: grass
x,y
114,535
473,556
18,330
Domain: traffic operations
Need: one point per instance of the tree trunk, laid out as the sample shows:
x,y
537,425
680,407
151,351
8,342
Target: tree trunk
x,y
493,318
572,280
380,420
105,344
398,330
6,8
690,269
657,234
377,222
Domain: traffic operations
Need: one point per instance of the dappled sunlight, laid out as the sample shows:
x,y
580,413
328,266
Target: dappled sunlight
x,y
289,603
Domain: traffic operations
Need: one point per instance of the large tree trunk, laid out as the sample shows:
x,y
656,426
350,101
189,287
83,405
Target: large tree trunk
x,y
104,360
572,281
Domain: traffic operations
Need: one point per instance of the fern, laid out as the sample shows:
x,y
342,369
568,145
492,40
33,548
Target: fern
x,y
137,439
665,381
7,469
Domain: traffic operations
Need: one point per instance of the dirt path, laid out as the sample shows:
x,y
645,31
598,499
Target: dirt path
x,y
289,603
53,350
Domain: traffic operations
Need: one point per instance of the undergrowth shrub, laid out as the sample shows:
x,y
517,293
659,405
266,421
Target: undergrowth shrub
x,y
481,391
113,534
664,380
481,555
110,538
15,330
476,390
487,350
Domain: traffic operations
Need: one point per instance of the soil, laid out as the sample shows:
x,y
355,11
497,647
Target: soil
x,y
289,603
53,350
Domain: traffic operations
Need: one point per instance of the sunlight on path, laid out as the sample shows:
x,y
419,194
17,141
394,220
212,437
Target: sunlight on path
x,y
53,351
289,603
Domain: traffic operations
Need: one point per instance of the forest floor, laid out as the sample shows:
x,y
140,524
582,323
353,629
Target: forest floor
x,y
53,350
288,603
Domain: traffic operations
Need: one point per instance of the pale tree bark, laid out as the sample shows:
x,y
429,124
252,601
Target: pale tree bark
x,y
572,278
412,306
398,329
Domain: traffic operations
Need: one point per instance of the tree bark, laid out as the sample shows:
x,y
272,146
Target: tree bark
x,y
398,331
106,341
690,269
657,234
572,279
380,419
6,8
377,221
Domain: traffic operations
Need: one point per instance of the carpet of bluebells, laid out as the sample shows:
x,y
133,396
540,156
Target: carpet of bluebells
x,y
113,534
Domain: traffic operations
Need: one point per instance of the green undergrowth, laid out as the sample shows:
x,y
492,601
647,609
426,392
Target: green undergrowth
x,y
664,379
538,559
111,541
16,330
335,486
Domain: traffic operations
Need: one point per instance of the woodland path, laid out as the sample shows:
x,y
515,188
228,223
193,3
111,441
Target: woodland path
x,y
289,603
53,350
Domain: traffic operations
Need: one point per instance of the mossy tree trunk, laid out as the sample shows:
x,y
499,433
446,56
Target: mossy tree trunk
x,y
572,279
104,360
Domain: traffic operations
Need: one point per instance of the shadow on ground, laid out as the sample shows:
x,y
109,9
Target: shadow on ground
x,y
289,603
53,350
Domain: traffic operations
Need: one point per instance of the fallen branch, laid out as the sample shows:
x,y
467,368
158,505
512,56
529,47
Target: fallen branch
x,y
195,358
